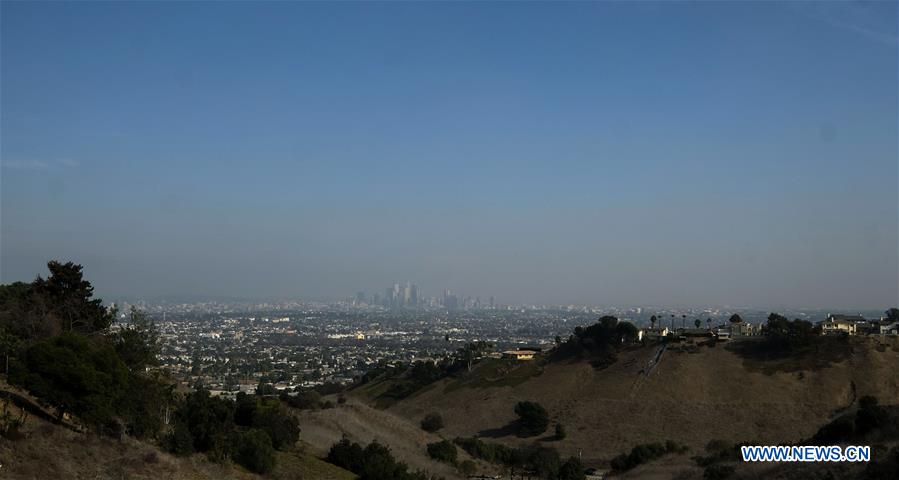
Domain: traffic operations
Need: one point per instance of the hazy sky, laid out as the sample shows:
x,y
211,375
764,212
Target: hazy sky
x,y
669,154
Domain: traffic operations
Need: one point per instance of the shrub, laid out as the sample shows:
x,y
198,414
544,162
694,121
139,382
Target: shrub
x,y
74,375
180,441
432,422
560,432
572,469
645,453
717,472
444,451
532,419
468,468
255,452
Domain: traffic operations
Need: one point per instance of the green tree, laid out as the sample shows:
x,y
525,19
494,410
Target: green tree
x,y
73,375
283,429
736,318
560,432
697,323
255,452
210,421
572,469
137,343
533,419
443,451
432,422
70,299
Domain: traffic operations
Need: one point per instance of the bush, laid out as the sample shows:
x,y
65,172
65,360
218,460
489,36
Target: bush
x,y
532,419
870,416
645,453
717,472
432,422
180,441
560,432
255,452
490,452
374,462
468,468
74,375
572,469
839,430
444,451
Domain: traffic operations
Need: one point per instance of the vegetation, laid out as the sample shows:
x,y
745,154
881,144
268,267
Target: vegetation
x,y
443,451
254,450
57,345
432,422
599,341
870,421
249,429
782,334
560,432
541,462
645,453
374,462
532,419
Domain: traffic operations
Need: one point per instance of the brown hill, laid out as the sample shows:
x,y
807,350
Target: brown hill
x,y
49,450
362,423
691,396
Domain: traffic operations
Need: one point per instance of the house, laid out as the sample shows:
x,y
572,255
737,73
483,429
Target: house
x,y
519,354
841,324
655,333
890,329
742,329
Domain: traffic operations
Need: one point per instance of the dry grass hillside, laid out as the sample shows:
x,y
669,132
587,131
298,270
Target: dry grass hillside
x,y
691,396
362,423
50,451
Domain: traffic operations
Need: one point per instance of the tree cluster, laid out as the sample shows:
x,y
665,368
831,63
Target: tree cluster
x,y
372,462
533,460
599,341
871,420
432,422
57,344
783,334
533,419
644,453
249,429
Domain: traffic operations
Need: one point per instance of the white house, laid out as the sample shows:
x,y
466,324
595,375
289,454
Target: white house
x,y
890,329
841,324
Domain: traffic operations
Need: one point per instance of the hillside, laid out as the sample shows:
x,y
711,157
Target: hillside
x,y
691,396
52,451
362,423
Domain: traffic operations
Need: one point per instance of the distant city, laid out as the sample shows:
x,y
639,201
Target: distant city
x,y
410,296
232,346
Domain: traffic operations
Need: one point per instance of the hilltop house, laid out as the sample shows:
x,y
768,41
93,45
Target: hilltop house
x,y
654,333
841,324
742,329
519,354
889,329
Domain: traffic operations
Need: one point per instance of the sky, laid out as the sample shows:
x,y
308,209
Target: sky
x,y
679,154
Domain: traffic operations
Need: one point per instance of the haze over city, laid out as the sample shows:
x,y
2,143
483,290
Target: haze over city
x,y
631,154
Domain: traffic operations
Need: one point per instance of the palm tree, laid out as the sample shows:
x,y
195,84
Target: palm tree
x,y
683,321
652,321
697,323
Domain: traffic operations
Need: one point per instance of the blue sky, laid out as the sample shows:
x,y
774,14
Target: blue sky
x,y
628,153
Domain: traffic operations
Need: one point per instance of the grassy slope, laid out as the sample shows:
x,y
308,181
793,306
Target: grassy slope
x,y
50,451
362,423
689,398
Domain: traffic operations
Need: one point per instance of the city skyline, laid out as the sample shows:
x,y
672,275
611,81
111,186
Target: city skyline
x,y
585,153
